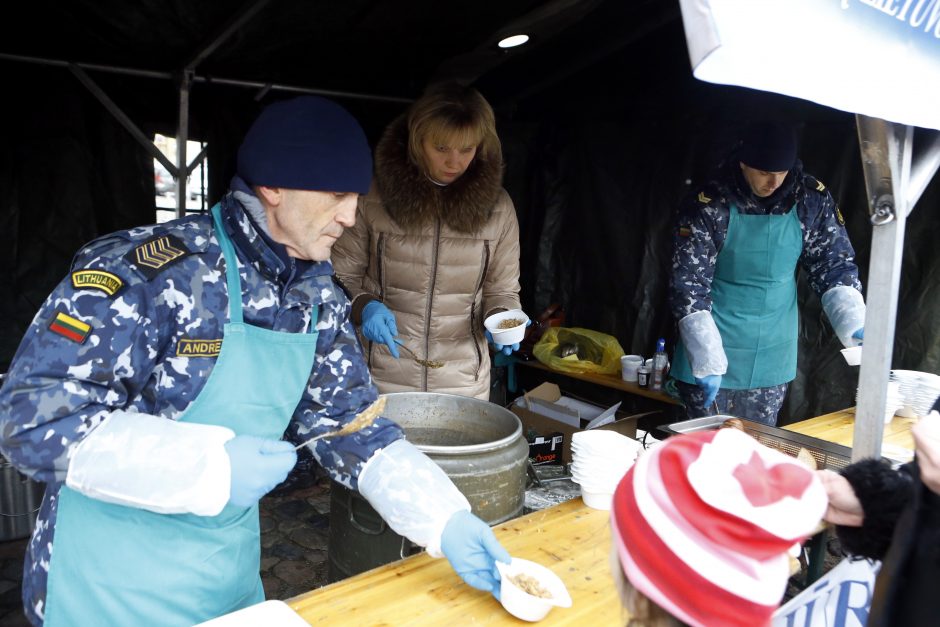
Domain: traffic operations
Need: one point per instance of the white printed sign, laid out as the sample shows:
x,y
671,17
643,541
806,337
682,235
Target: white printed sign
x,y
880,58
841,598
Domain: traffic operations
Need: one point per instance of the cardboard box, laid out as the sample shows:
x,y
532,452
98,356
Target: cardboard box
x,y
548,413
546,450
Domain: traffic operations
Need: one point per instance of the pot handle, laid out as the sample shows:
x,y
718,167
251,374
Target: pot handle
x,y
356,524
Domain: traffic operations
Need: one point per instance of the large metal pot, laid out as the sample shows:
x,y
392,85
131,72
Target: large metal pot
x,y
20,498
478,444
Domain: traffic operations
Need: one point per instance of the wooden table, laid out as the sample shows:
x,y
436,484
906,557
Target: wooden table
x,y
571,539
607,380
839,427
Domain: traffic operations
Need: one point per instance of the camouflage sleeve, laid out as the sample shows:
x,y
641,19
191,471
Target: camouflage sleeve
x,y
339,388
86,352
828,257
700,231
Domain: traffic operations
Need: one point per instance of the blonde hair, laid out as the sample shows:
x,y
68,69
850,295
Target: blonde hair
x,y
643,612
454,115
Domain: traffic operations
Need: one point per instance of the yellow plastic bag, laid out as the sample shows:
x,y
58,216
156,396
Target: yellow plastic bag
x,y
579,350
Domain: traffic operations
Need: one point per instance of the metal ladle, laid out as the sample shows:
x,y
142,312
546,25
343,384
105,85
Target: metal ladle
x,y
427,363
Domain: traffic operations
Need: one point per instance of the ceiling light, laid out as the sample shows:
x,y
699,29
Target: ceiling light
x,y
513,41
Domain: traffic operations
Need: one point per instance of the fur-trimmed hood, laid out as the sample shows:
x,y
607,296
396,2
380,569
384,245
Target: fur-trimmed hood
x,y
413,200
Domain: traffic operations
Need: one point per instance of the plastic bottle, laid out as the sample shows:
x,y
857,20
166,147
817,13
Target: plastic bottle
x,y
660,359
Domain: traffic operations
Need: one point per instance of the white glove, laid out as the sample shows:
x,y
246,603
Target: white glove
x,y
411,493
845,308
157,464
703,344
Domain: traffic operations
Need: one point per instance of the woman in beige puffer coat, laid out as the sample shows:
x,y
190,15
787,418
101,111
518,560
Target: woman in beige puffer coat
x,y
436,241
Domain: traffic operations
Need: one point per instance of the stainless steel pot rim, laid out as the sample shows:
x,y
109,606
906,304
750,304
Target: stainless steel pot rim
x,y
468,449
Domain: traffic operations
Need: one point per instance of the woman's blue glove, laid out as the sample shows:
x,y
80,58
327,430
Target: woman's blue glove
x,y
258,465
378,325
506,348
472,550
710,384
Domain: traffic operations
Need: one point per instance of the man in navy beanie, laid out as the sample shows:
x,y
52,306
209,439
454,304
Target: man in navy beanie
x,y
738,243
161,386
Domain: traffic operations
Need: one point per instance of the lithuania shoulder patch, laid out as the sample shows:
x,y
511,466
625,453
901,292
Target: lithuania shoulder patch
x,y
157,253
108,283
69,327
684,231
702,198
198,348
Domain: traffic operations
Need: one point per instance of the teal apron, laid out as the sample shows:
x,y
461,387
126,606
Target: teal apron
x,y
116,565
754,301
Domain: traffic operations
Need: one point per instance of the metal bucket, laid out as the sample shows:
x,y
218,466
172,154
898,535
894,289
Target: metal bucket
x,y
20,498
479,445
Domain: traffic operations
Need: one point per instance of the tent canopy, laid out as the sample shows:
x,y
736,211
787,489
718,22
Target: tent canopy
x,y
603,126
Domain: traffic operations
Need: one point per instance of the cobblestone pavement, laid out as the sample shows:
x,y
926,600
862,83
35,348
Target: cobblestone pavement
x,y
294,534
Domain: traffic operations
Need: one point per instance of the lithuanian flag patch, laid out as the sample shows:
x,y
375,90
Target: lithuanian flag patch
x,y
70,328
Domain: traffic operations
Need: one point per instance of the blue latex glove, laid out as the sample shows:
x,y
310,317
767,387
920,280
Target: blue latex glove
x,y
258,465
507,349
859,335
472,550
378,325
710,384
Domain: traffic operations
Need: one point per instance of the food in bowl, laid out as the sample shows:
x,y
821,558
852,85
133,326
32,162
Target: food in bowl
x,y
521,602
507,333
530,585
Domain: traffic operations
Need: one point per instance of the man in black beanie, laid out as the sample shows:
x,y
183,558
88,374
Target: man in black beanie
x,y
737,245
155,387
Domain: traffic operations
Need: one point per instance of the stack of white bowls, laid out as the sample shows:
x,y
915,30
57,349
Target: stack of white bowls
x,y
599,459
918,389
895,400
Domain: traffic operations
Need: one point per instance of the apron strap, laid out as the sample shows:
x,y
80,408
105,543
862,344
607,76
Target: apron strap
x,y
231,267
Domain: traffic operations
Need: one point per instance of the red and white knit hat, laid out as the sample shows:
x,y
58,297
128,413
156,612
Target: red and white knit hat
x,y
703,523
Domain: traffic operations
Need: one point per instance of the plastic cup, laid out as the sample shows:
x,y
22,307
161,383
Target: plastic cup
x,y
629,364
526,606
597,500
852,355
510,335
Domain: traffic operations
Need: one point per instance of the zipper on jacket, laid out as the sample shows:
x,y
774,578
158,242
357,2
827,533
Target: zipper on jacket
x,y
380,270
380,264
435,252
473,302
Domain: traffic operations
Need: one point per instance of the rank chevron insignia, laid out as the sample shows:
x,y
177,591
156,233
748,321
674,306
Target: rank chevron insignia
x,y
702,198
157,253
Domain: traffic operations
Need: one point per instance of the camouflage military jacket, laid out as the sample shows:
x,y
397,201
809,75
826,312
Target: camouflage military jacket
x,y
827,258
137,326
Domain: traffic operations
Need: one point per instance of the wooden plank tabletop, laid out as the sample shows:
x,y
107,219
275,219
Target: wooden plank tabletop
x,y
608,380
570,539
839,427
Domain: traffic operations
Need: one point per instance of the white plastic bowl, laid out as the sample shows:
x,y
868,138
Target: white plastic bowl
x,y
507,336
853,355
597,500
523,605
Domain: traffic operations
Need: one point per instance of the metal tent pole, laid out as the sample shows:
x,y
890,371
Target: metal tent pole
x,y
886,161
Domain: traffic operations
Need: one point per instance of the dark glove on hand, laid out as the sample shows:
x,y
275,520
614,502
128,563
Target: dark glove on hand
x,y
472,550
378,325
